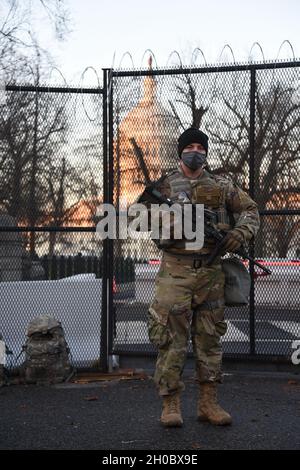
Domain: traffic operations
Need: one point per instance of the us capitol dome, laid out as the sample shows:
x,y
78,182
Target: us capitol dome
x,y
145,146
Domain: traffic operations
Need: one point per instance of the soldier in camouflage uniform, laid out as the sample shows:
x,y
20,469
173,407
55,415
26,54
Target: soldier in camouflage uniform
x,y
189,296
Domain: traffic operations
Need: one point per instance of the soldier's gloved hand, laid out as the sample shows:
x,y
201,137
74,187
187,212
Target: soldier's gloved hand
x,y
233,240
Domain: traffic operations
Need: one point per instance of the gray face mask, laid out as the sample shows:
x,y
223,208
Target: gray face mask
x,y
193,160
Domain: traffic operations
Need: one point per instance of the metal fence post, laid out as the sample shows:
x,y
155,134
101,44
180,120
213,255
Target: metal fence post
x,y
251,192
103,338
111,312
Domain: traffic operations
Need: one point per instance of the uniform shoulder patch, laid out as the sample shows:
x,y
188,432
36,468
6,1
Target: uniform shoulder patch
x,y
165,174
223,178
171,172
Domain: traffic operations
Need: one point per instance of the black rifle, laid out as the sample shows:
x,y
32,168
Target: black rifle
x,y
151,193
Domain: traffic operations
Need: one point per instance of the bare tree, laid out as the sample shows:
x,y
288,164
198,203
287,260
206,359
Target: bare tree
x,y
222,109
187,94
18,37
277,153
14,151
280,233
33,126
18,17
66,189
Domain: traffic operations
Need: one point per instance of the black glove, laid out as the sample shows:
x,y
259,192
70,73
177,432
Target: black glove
x,y
233,241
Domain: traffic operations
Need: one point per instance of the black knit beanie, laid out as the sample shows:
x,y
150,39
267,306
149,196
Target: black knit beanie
x,y
191,136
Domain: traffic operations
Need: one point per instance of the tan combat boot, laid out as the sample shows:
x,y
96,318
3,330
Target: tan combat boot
x,y
171,414
208,408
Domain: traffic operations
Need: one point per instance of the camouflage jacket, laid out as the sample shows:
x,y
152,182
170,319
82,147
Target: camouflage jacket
x,y
233,207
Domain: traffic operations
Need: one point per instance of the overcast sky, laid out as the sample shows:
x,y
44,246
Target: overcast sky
x,y
102,28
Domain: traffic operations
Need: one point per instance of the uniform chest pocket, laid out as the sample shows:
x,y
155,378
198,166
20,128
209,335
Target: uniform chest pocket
x,y
208,196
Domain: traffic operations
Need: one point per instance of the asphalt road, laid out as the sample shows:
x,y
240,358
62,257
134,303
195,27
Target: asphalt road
x,y
125,415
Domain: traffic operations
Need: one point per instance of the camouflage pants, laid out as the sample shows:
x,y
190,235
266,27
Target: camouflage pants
x,y
188,300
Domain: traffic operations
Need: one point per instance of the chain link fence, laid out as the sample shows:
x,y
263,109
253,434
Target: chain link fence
x,y
251,113
65,151
51,183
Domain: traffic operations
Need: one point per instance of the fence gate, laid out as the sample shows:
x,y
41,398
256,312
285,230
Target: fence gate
x,y
251,113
